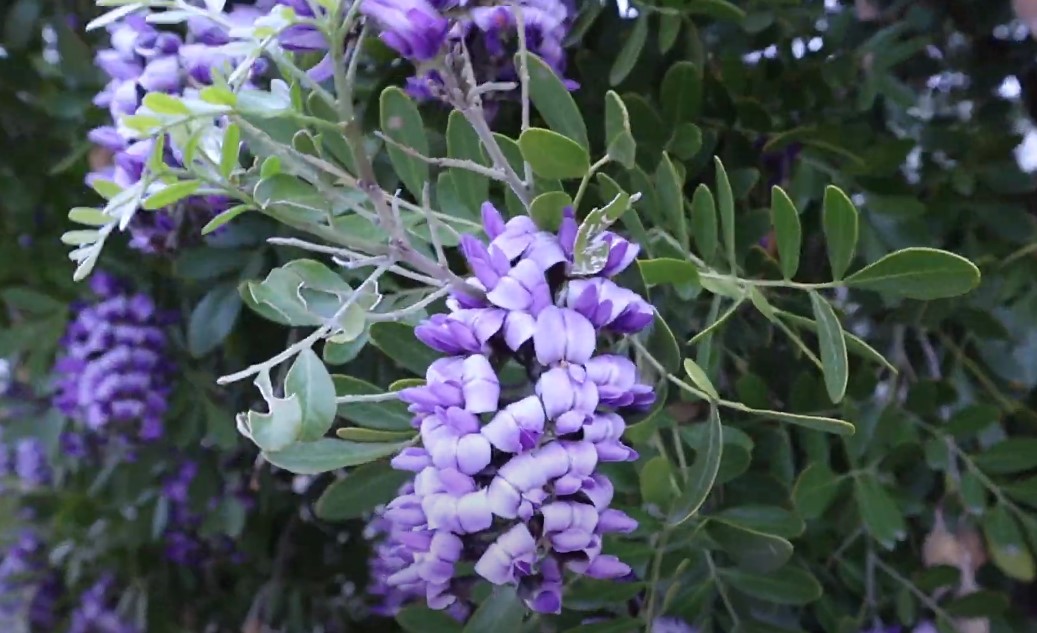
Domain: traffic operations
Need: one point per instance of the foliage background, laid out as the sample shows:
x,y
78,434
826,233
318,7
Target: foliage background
x,y
914,108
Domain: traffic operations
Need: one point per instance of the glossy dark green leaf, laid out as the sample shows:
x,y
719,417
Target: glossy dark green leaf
x,y
1011,455
840,225
787,231
815,490
790,585
397,341
553,100
879,511
918,273
213,319
681,92
502,611
834,361
668,187
764,518
1008,549
667,270
391,415
463,144
702,473
327,454
631,51
400,121
310,382
547,209
552,155
751,549
360,492
620,144
421,619
726,207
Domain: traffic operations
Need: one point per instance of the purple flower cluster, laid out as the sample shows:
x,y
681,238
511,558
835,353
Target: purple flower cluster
x,y
507,475
184,544
423,30
26,460
97,612
144,59
29,591
115,372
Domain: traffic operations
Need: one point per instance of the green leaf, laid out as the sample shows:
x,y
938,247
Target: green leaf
x,y
362,490
620,144
309,380
752,550
704,223
463,144
1008,548
224,218
667,270
631,51
611,625
170,194
401,122
229,150
80,237
853,343
726,205
840,226
290,191
547,209
834,362
699,377
1011,455
790,585
815,489
397,341
663,345
881,515
391,415
669,30
655,482
702,473
813,422
502,611
278,428
719,9
90,216
669,187
553,100
360,434
213,319
918,273
787,231
717,323
552,155
420,619
681,91
327,454
766,519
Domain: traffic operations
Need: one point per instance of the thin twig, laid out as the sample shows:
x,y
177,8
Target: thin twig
x,y
459,163
396,315
433,225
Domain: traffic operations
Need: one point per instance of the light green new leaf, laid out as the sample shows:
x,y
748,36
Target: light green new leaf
x,y
224,218
401,122
812,422
834,361
668,187
170,194
162,103
704,223
327,454
547,209
918,273
787,231
553,100
229,149
552,155
309,380
630,53
702,473
620,143
699,377
726,206
667,270
840,226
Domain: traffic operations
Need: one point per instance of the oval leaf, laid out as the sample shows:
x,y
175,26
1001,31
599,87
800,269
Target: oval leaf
x,y
840,225
834,362
362,490
309,380
401,122
787,231
327,454
552,155
918,273
702,473
553,100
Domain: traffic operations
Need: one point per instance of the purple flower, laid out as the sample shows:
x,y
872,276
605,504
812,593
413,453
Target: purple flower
x,y
97,613
114,374
412,27
30,462
664,624
508,479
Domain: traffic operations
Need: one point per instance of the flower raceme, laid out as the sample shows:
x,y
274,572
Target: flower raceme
x,y
514,422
